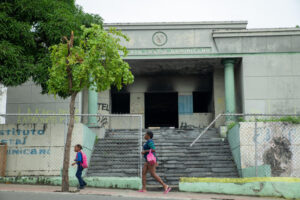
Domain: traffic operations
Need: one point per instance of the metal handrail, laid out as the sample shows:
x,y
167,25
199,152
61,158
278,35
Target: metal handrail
x,y
204,131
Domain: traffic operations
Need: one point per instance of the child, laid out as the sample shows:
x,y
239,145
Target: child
x,y
79,162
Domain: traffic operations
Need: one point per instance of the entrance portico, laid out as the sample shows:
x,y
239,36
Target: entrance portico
x,y
180,93
180,80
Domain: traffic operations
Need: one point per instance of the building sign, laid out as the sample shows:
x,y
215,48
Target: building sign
x,y
169,51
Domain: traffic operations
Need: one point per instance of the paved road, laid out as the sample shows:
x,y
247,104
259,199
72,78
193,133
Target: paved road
x,y
46,192
7,195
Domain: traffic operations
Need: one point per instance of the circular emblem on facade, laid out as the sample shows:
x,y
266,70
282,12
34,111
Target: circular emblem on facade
x,y
159,38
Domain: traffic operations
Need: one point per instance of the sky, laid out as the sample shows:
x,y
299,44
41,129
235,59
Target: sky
x,y
258,13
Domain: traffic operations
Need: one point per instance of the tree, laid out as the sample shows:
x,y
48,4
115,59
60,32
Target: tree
x,y
27,29
95,62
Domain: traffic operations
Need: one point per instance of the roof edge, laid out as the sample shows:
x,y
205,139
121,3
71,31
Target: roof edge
x,y
174,23
257,32
179,25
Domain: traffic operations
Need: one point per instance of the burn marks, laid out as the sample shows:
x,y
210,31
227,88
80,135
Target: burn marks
x,y
279,156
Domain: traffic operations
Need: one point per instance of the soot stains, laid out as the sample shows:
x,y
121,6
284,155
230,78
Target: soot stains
x,y
279,156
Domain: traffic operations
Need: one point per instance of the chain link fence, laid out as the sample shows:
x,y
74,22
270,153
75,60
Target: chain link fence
x,y
262,145
117,152
36,143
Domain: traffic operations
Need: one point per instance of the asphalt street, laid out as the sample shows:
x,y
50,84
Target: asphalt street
x,y
8,195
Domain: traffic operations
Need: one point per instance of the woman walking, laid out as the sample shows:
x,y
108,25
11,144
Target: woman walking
x,y
149,146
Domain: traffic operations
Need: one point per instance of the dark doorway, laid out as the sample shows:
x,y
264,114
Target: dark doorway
x,y
161,109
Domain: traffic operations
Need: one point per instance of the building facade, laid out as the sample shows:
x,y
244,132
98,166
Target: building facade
x,y
187,73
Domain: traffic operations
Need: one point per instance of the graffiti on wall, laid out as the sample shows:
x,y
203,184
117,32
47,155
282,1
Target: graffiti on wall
x,y
265,134
103,106
102,121
185,125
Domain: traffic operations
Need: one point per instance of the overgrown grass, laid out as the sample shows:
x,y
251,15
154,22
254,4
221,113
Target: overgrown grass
x,y
232,124
287,119
96,140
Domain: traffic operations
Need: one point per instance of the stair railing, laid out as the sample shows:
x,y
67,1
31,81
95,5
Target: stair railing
x,y
205,130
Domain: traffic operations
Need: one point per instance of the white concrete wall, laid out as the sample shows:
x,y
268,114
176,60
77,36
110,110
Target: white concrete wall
x,y
27,98
219,95
104,103
38,149
268,150
271,83
137,104
195,120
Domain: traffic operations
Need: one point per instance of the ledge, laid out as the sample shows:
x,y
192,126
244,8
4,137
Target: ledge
x,y
256,186
178,25
100,182
256,32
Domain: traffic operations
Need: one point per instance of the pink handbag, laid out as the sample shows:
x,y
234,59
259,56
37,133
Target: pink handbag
x,y
151,158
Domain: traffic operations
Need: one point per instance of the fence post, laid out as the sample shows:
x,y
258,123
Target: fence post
x,y
141,143
255,157
3,152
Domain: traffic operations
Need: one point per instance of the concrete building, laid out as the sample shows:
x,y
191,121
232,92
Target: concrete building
x,y
187,73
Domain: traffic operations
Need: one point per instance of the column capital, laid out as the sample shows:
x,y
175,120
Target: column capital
x,y
226,61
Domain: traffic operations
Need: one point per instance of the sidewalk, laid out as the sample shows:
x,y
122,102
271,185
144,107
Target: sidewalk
x,y
125,193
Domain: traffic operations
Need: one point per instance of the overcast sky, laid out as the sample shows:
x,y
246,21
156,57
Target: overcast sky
x,y
258,13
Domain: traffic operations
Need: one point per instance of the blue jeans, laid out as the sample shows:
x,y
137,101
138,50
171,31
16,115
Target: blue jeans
x,y
82,183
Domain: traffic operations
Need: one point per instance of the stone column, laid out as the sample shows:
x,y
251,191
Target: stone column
x,y
92,106
229,87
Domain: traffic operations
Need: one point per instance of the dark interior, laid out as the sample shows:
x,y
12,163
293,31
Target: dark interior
x,y
201,102
120,102
161,109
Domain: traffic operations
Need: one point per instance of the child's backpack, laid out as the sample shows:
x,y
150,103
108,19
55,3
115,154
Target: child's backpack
x,y
84,163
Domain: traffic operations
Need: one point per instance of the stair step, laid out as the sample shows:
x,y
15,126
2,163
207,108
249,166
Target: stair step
x,y
118,154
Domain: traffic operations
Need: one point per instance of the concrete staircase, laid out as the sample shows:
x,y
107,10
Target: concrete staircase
x,y
209,157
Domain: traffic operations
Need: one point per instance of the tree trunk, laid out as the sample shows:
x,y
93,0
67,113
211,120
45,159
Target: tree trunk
x,y
65,172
